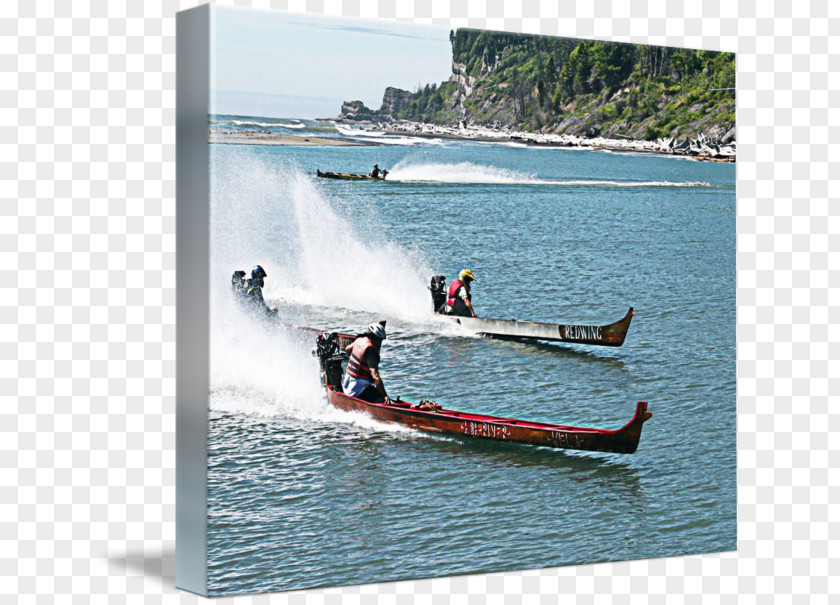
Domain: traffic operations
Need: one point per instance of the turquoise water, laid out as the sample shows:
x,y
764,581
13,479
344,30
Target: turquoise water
x,y
302,495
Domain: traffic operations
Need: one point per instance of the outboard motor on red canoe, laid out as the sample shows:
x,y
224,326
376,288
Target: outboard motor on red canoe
x,y
438,289
331,359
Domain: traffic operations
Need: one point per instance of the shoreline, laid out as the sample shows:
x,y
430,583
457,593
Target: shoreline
x,y
700,150
232,137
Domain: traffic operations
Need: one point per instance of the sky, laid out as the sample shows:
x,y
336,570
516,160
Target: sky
x,y
289,65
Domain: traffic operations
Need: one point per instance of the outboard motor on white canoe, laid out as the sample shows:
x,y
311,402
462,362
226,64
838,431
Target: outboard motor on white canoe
x,y
438,289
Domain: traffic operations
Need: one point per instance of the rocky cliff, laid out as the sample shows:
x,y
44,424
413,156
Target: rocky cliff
x,y
580,87
357,111
394,101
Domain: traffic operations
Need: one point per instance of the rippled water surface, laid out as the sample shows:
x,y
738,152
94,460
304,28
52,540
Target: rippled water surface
x,y
304,495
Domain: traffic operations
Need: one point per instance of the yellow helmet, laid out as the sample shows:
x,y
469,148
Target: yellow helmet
x,y
466,273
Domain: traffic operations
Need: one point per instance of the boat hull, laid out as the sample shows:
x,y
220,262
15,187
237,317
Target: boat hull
x,y
433,418
611,335
348,176
621,441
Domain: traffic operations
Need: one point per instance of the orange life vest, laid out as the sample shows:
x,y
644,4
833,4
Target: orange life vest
x,y
356,367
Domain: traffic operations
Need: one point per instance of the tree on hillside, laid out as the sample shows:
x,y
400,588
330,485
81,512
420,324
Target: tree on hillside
x,y
654,60
551,72
612,63
542,92
514,89
684,63
576,71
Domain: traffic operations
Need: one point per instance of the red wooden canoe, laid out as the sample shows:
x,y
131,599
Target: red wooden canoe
x,y
430,417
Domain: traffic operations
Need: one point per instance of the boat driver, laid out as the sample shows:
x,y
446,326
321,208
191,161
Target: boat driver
x,y
459,301
238,283
253,290
362,379
374,174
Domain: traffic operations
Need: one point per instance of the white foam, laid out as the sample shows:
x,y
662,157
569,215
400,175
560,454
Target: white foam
x,y
382,138
264,370
357,269
403,141
251,123
461,172
256,368
353,132
469,173
279,217
276,216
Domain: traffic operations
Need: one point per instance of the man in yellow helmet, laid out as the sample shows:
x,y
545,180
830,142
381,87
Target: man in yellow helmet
x,y
459,301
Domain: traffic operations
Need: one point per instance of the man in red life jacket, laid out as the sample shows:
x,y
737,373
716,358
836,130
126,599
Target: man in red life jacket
x,y
459,301
362,379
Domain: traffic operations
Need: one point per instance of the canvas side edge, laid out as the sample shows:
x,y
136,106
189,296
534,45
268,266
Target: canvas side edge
x,y
193,295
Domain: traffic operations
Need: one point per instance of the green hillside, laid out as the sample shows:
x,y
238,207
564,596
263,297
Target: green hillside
x,y
581,87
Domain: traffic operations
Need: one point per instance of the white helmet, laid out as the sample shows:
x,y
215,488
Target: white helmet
x,y
377,330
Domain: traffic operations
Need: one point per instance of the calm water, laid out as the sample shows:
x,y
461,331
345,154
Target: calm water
x,y
302,495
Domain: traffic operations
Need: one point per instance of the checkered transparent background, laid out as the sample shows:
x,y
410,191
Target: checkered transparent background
x,y
87,315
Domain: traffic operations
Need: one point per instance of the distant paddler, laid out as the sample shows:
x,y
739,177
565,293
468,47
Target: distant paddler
x,y
362,379
376,173
459,301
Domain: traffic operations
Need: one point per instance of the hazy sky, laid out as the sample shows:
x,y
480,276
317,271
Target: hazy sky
x,y
280,64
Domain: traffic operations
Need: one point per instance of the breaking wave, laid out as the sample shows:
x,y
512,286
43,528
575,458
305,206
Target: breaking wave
x,y
252,124
380,137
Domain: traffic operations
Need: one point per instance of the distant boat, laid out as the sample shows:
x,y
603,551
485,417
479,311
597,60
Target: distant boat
x,y
349,176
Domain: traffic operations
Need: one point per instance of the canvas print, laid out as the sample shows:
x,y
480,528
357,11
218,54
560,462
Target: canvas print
x,y
472,302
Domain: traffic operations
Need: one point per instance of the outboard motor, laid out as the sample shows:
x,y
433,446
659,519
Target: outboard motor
x,y
438,289
331,359
238,283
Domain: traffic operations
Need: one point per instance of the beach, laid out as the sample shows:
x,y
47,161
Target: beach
x,y
354,134
239,137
